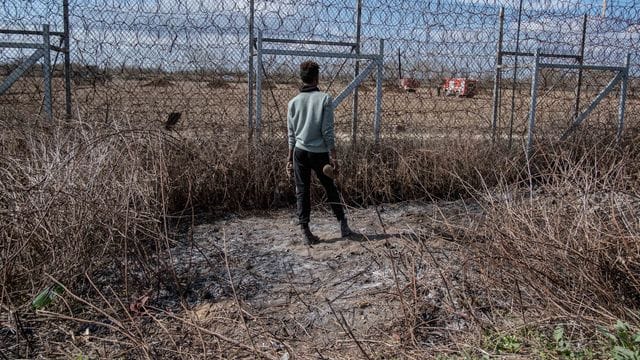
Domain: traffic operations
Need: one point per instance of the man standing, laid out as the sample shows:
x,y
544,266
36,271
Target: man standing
x,y
311,147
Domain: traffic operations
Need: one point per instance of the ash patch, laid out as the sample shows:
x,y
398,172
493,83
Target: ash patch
x,y
391,278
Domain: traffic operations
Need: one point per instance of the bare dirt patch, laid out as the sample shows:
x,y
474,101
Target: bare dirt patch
x,y
336,299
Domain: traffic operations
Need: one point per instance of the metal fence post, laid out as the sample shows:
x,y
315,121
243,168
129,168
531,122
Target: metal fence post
x,y
259,86
251,67
515,76
67,59
354,119
623,98
534,98
378,115
46,71
498,76
581,62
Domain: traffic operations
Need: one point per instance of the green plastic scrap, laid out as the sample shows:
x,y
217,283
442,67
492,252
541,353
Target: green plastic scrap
x,y
46,296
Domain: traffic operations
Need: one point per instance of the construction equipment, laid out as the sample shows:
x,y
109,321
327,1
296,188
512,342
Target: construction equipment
x,y
460,87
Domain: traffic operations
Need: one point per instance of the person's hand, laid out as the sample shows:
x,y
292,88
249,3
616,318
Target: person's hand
x,y
290,168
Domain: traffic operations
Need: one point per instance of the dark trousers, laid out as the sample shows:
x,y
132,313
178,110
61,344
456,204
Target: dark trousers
x,y
303,163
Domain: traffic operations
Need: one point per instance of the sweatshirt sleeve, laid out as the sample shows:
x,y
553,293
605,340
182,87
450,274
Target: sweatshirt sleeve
x,y
327,123
290,129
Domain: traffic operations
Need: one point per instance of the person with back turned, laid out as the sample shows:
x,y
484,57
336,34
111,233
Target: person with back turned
x,y
312,147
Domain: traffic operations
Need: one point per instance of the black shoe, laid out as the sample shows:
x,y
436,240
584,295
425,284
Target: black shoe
x,y
345,230
307,236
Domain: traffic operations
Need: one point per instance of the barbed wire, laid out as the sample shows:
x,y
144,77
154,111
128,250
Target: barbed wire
x,y
144,59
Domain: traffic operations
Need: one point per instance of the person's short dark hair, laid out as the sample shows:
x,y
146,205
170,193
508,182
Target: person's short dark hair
x,y
309,71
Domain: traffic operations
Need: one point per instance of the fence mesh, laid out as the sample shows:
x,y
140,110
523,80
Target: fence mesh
x,y
141,60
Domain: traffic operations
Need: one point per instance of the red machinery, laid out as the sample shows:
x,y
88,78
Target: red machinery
x,y
461,87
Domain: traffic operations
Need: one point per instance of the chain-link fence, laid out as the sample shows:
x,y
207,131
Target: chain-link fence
x,y
141,60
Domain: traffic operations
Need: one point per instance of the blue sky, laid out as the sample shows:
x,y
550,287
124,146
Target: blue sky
x,y
454,36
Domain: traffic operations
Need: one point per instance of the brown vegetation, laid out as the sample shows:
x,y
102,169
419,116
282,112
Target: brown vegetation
x,y
100,206
217,83
160,82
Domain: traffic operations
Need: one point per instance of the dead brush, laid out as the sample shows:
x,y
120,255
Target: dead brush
x,y
87,201
224,174
89,206
406,170
73,199
562,243
554,240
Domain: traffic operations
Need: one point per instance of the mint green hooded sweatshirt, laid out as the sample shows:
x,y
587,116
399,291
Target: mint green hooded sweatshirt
x,y
310,122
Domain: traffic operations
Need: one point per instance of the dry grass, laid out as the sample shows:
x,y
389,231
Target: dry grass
x,y
159,82
422,114
90,204
218,83
547,243
566,238
73,197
